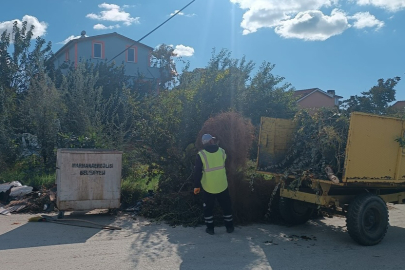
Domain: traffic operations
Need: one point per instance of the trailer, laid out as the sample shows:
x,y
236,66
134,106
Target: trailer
x,y
374,174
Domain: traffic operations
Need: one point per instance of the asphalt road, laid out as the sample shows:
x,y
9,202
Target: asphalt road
x,y
319,244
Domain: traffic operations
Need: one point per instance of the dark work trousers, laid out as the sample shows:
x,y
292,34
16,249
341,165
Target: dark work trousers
x,y
224,201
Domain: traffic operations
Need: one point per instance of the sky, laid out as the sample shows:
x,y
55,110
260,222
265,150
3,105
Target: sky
x,y
338,45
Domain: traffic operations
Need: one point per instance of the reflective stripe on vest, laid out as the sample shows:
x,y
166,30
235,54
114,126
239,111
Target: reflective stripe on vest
x,y
208,169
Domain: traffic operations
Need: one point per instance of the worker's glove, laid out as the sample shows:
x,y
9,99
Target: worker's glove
x,y
196,191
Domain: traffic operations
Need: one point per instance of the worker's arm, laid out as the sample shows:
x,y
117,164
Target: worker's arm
x,y
198,172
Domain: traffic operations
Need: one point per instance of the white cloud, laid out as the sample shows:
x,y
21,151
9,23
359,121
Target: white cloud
x,y
365,19
391,5
270,13
39,27
305,19
68,39
181,50
313,25
100,26
182,13
113,13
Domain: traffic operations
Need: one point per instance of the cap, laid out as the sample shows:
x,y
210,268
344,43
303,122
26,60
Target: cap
x,y
206,138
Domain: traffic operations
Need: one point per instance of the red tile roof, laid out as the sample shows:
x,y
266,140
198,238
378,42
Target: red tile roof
x,y
302,93
399,104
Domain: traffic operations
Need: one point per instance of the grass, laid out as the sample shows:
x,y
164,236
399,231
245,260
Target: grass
x,y
46,181
29,171
29,177
133,189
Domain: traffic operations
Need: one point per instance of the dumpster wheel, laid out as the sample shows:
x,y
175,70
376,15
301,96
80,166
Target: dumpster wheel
x,y
367,219
294,212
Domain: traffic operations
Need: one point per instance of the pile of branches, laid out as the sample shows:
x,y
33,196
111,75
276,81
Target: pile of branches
x,y
319,142
177,208
175,202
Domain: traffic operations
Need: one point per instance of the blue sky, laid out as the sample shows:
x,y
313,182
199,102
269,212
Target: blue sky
x,y
330,44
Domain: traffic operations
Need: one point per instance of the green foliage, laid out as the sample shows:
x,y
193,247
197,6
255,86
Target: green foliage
x,y
44,180
266,97
72,141
219,86
252,173
18,67
40,113
17,70
111,78
82,102
120,119
319,141
137,184
401,141
163,58
8,148
29,171
376,100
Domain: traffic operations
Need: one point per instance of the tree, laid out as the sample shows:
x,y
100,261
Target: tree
x,y
110,77
18,67
215,88
120,119
40,115
8,150
83,101
376,100
266,97
226,84
18,70
163,58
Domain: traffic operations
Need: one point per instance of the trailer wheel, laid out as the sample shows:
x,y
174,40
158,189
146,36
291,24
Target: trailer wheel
x,y
367,219
294,212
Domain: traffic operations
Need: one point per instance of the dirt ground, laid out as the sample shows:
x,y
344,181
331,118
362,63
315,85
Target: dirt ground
x,y
319,244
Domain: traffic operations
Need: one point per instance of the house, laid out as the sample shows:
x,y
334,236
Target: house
x,y
399,105
315,98
137,56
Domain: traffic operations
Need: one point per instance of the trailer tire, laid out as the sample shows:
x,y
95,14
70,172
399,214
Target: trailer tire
x,y
294,212
367,219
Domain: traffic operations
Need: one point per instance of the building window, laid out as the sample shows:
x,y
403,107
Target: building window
x,y
132,54
97,50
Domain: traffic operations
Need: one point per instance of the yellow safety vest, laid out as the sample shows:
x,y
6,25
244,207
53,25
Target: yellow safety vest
x,y
214,174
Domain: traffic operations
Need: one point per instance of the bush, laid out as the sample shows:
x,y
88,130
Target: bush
x,y
29,171
136,186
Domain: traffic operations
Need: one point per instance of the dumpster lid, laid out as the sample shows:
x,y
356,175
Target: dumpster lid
x,y
88,150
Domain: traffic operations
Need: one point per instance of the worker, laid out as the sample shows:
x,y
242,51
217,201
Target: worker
x,y
210,174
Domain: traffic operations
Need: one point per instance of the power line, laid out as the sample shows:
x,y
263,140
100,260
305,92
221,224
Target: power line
x,y
153,30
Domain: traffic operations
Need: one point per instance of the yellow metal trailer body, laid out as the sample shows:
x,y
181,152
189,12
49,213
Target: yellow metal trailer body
x,y
373,156
374,173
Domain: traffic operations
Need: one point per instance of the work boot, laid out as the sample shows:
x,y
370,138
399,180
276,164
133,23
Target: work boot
x,y
230,229
210,231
